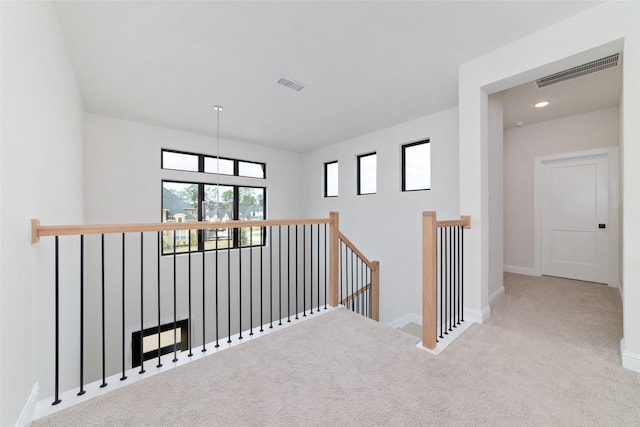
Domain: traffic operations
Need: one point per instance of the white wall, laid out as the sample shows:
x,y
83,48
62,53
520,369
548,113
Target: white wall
x,y
496,224
386,226
553,49
123,185
41,177
595,129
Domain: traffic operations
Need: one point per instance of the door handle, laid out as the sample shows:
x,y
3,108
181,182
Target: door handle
x,y
602,225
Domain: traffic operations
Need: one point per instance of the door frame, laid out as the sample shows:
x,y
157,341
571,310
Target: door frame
x,y
613,264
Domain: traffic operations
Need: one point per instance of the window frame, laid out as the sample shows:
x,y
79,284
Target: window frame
x,y
201,164
403,170
359,174
236,238
326,178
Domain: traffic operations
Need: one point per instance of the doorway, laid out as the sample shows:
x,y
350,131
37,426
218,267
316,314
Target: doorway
x,y
576,216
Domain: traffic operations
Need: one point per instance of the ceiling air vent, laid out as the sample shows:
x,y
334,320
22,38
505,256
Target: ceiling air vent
x,y
580,70
291,84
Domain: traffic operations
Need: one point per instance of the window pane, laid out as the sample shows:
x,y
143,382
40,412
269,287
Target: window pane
x,y
331,179
367,174
179,204
250,169
218,204
211,165
179,161
416,166
251,208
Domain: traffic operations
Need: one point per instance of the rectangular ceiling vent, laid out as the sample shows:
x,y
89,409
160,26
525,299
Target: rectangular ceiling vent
x,y
580,70
291,84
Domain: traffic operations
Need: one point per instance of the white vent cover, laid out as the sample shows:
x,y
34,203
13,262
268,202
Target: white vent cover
x,y
580,70
291,84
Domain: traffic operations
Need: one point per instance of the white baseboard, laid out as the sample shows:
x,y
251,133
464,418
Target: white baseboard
x,y
630,360
519,270
29,409
452,335
405,320
476,316
496,295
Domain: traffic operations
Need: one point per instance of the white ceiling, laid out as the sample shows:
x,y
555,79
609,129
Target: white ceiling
x,y
591,92
367,65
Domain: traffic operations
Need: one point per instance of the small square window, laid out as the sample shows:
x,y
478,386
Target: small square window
x,y
331,179
367,171
416,166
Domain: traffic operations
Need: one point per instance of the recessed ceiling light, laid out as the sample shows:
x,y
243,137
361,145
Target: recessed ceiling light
x,y
541,104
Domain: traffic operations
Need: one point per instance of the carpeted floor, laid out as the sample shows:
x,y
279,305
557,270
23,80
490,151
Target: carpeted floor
x,y
549,356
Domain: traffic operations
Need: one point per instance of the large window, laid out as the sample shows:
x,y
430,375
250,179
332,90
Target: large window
x,y
367,165
416,166
192,162
191,202
331,179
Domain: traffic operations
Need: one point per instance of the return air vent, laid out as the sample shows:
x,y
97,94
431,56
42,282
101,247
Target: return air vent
x,y
291,84
580,70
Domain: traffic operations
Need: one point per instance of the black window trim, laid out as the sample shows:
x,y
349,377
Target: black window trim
x,y
201,162
326,187
360,156
403,175
236,210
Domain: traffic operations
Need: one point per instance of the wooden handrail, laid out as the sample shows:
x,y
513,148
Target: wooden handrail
x,y
464,222
351,246
38,230
356,293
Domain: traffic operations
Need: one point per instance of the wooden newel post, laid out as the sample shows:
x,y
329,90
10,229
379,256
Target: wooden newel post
x,y
334,254
429,277
375,291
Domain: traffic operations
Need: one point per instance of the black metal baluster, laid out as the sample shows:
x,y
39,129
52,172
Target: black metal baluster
x,y
318,265
440,283
457,281
124,376
341,269
304,270
271,277
288,273
82,391
104,363
141,371
462,276
159,365
460,231
446,280
311,271
262,236
280,275
56,398
251,281
175,306
325,266
189,296
228,288
216,289
204,299
353,284
451,296
240,285
296,273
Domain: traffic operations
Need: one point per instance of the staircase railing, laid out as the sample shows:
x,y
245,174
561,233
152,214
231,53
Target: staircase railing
x,y
442,276
162,304
359,280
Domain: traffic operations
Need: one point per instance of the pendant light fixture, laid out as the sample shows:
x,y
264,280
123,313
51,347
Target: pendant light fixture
x,y
218,109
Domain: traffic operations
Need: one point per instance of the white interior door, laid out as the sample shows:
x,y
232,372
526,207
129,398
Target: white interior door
x,y
575,197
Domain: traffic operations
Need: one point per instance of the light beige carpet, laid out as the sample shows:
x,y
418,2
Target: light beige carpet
x,y
548,357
